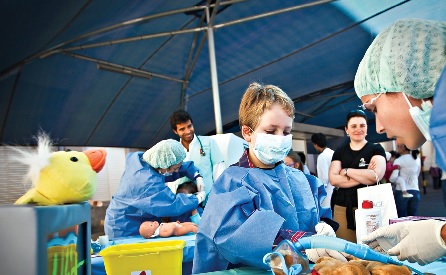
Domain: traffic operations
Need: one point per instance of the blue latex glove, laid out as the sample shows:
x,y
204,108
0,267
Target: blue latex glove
x,y
196,218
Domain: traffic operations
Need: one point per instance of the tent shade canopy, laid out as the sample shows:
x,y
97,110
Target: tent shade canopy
x,y
110,73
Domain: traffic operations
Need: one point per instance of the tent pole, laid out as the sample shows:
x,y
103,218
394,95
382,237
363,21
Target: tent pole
x,y
213,65
58,49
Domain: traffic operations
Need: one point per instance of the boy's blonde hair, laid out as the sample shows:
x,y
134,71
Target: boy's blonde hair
x,y
257,99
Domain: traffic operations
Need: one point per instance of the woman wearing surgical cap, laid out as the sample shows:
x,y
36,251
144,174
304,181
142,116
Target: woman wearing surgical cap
x,y
402,79
143,195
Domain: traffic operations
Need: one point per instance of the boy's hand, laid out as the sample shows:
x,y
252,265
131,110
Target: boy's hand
x,y
314,254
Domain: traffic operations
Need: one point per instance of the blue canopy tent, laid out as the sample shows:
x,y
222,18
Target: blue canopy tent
x,y
110,73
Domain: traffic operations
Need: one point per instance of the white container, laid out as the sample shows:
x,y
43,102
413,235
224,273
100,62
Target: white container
x,y
368,219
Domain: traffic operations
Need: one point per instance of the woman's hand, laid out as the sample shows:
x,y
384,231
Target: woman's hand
x,y
337,177
373,165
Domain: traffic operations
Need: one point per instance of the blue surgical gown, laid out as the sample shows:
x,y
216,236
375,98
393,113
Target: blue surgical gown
x,y
143,196
246,209
438,121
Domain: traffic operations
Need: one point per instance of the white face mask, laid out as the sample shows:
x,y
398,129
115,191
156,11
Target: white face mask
x,y
421,117
270,149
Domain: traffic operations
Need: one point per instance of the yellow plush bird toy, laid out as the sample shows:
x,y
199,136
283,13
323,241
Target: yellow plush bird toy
x,y
60,177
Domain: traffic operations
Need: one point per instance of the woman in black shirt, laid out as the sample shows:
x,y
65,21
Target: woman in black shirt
x,y
356,164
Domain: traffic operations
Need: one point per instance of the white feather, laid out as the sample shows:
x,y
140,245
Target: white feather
x,y
36,159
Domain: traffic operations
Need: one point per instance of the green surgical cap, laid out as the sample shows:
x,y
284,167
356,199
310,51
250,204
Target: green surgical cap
x,y
408,56
165,154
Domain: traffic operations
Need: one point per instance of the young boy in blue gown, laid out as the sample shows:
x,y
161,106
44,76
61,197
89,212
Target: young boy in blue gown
x,y
259,201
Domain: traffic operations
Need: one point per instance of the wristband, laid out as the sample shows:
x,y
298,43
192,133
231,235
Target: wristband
x,y
345,173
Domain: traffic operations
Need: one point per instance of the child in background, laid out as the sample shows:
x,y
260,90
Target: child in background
x,y
303,159
402,185
390,158
258,198
390,167
189,187
151,229
293,160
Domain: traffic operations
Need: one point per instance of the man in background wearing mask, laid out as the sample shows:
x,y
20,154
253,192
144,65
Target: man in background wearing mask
x,y
257,200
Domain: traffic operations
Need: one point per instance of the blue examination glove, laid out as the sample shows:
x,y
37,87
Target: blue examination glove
x,y
196,218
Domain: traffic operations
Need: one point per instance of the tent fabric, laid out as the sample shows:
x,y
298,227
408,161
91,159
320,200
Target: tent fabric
x,y
53,52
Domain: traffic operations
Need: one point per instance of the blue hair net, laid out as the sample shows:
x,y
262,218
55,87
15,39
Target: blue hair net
x,y
165,154
408,56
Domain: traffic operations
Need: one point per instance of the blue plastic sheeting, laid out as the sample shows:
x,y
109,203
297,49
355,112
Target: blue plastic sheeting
x,y
49,76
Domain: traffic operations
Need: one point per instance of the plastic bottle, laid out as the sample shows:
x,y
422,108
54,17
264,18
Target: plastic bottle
x,y
368,219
